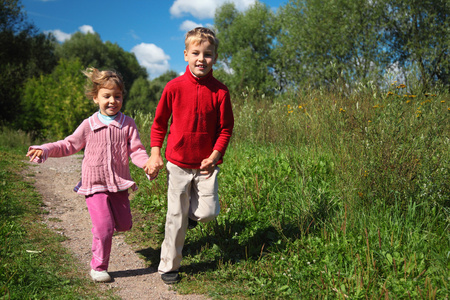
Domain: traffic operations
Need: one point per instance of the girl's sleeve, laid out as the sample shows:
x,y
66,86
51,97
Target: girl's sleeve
x,y
136,151
70,145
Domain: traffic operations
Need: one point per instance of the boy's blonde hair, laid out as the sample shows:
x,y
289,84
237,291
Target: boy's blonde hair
x,y
199,35
102,79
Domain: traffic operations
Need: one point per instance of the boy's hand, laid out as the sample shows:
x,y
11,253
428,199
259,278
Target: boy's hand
x,y
154,163
208,165
33,153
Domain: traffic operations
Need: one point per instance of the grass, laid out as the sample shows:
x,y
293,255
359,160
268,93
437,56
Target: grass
x,y
323,196
33,263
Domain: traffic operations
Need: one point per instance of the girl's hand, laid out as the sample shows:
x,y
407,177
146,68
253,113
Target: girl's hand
x,y
154,163
33,153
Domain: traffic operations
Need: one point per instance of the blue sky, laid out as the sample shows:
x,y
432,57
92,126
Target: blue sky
x,y
153,30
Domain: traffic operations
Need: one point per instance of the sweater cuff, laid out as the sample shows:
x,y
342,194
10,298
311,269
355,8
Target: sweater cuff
x,y
44,156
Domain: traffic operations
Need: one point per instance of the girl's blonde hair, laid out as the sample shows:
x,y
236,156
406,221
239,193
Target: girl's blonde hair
x,y
199,35
102,79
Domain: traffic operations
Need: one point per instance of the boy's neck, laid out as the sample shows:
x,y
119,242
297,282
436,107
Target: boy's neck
x,y
196,75
193,73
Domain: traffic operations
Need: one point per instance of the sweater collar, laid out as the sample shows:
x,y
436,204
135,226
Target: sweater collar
x,y
199,80
95,123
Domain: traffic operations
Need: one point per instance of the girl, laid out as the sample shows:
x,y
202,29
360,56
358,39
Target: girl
x,y
108,138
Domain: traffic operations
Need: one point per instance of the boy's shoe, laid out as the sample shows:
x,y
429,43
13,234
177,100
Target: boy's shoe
x,y
171,277
100,276
192,223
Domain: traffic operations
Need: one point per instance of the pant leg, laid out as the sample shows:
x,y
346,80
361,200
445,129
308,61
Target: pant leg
x,y
179,184
120,208
102,229
205,205
109,212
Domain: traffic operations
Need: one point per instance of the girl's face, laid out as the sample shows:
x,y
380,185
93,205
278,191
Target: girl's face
x,y
200,57
109,100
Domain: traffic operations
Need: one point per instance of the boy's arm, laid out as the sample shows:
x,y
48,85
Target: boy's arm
x,y
209,164
226,124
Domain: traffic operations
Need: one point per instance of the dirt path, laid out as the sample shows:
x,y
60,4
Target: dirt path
x,y
68,216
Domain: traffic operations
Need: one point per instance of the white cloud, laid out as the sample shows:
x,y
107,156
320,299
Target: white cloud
x,y
152,58
204,9
63,36
188,25
134,35
59,35
86,29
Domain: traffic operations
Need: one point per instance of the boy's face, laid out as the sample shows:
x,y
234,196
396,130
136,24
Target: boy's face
x,y
200,57
109,101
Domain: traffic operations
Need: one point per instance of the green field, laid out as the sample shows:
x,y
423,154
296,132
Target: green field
x,y
322,195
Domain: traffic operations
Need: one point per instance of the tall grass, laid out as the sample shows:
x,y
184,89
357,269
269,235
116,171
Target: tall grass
x,y
323,196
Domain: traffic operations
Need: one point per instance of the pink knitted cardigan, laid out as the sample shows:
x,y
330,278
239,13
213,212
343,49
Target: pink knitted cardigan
x,y
105,164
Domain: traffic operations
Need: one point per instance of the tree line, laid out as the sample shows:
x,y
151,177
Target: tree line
x,y
332,44
336,44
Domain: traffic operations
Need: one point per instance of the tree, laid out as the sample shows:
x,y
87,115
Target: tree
x,y
23,53
330,42
144,94
55,104
246,47
90,50
417,33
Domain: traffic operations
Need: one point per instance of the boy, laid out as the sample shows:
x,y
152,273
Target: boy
x,y
200,130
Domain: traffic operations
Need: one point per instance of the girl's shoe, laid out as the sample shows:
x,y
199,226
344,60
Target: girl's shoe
x,y
100,276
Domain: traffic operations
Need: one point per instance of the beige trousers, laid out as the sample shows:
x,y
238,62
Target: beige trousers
x,y
190,194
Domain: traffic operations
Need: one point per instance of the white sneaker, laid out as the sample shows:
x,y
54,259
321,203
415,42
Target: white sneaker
x,y
100,276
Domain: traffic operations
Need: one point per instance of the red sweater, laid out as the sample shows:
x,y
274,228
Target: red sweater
x,y
202,119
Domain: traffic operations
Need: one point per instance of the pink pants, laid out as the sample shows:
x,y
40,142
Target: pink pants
x,y
109,212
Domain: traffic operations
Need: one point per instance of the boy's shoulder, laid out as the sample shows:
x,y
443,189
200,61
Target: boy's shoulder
x,y
219,84
174,82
